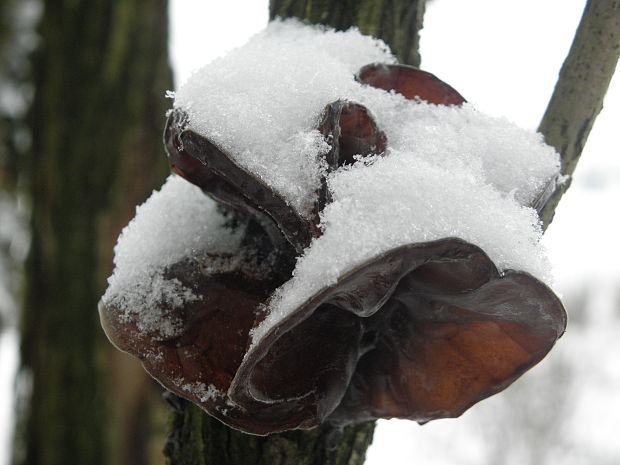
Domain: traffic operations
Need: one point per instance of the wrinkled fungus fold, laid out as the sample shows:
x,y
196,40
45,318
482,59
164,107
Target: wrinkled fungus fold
x,y
377,289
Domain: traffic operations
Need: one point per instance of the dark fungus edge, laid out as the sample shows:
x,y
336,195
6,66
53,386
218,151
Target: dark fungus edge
x,y
202,163
422,332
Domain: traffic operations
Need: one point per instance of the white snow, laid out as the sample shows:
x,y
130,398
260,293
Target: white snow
x,y
175,223
410,200
201,390
461,139
448,171
260,101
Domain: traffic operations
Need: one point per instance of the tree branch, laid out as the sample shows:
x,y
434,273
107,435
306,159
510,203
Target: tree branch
x,y
581,87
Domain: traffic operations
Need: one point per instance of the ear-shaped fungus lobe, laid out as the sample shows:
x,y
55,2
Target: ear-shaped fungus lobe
x,y
351,130
200,361
311,364
410,82
438,330
440,354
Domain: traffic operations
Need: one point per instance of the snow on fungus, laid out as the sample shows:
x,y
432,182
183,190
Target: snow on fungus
x,y
368,245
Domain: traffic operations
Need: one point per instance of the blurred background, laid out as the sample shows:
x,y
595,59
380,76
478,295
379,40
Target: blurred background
x,y
502,56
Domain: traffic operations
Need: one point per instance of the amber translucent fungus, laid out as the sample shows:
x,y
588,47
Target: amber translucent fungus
x,y
410,82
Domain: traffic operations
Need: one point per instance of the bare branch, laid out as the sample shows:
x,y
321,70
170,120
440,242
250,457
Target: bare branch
x,y
581,88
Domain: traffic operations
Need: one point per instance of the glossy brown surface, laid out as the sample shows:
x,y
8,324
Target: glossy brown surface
x,y
410,82
438,354
439,330
351,130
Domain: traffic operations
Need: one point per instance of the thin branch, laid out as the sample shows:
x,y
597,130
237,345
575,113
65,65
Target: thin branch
x,y
581,88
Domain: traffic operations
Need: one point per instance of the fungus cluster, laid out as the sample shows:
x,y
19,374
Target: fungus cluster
x,y
340,242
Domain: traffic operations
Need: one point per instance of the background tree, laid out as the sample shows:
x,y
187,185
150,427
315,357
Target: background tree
x,y
577,99
16,41
96,120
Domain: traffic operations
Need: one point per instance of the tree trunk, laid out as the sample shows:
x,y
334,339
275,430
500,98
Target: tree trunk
x,y
198,439
15,29
96,123
396,22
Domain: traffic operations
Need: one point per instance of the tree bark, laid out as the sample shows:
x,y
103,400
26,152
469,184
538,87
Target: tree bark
x,y
198,439
396,22
581,87
96,122
14,49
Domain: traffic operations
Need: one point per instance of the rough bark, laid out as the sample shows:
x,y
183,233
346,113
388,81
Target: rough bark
x,y
397,22
581,88
16,28
96,123
198,439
